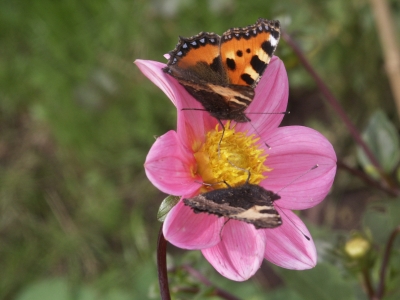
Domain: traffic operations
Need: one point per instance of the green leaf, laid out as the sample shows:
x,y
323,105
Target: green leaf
x,y
61,289
392,282
383,140
55,288
381,218
324,282
167,204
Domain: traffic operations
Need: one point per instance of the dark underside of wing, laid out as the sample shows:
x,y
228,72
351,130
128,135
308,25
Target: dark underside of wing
x,y
251,204
222,102
244,196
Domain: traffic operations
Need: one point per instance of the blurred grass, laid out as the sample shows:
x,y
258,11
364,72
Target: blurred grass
x,y
77,119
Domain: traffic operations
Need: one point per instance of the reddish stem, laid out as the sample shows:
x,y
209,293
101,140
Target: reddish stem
x,y
368,285
200,277
368,180
332,100
162,266
381,287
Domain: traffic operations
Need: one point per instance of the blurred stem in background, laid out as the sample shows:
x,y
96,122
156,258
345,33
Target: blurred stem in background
x,y
385,263
335,104
390,48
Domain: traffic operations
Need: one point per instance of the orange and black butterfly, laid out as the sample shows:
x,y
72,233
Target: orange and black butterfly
x,y
221,72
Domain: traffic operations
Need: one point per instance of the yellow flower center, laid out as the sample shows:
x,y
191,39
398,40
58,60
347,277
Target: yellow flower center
x,y
238,153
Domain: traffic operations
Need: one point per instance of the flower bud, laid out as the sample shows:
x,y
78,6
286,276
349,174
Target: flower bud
x,y
357,247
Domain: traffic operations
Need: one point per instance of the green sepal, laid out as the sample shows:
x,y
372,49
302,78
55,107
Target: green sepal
x,y
167,204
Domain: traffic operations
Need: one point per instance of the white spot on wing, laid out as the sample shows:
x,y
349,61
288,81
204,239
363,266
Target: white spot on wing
x,y
273,40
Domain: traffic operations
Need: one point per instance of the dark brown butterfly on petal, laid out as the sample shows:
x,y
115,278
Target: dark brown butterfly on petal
x,y
249,203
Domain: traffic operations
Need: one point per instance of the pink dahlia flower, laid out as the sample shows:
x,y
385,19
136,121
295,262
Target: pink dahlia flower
x,y
180,159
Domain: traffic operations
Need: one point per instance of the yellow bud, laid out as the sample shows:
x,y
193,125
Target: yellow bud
x,y
357,247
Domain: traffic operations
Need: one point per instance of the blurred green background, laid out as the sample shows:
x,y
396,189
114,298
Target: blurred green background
x,y
77,118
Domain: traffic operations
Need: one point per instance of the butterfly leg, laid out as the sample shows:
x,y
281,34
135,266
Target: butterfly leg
x,y
222,135
211,184
244,170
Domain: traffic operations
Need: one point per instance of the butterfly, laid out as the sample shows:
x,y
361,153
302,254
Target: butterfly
x,y
248,202
221,72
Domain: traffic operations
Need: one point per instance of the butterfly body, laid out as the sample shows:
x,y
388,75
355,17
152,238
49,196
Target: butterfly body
x,y
221,72
248,202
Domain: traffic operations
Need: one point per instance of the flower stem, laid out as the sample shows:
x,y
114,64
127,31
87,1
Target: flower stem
x,y
381,286
162,266
332,100
200,277
368,180
367,281
389,43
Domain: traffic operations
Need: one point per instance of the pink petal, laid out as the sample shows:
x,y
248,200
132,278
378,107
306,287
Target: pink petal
x,y
192,124
185,229
295,150
271,96
286,245
153,71
240,253
169,167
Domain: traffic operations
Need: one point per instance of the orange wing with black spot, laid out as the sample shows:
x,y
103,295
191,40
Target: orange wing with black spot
x,y
246,52
198,59
222,72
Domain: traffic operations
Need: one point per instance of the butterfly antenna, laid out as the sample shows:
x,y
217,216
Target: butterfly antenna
x,y
188,108
266,113
297,178
291,221
268,146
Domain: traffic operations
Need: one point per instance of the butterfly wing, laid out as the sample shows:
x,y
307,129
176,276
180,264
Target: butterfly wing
x,y
246,52
222,72
197,59
196,64
249,203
